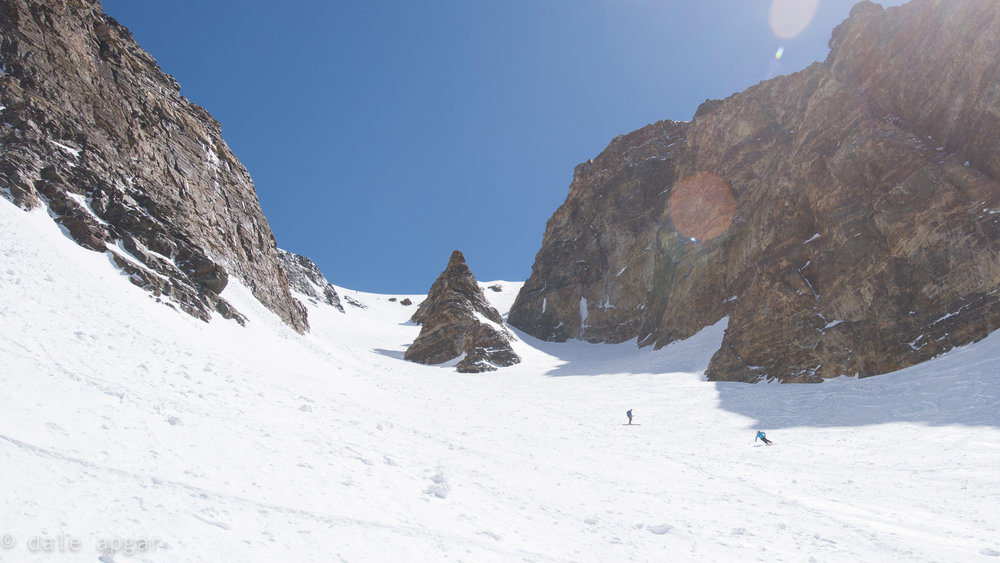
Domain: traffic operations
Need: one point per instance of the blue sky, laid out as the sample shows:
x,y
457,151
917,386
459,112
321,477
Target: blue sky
x,y
382,135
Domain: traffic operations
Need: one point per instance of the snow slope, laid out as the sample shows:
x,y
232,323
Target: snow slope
x,y
132,432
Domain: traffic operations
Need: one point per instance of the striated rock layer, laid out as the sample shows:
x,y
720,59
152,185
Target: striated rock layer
x,y
844,218
94,130
457,319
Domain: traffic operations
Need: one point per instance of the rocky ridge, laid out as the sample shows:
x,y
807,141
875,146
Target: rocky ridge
x,y
457,319
844,218
305,277
92,129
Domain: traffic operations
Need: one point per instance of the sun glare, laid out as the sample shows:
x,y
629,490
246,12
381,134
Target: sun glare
x,y
791,17
702,206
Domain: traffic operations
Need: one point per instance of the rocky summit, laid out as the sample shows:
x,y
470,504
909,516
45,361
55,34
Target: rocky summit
x,y
92,129
457,319
845,219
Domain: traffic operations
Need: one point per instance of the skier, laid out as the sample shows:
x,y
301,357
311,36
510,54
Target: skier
x,y
762,437
629,415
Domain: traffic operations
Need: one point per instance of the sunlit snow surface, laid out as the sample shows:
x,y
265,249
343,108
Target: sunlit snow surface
x,y
124,421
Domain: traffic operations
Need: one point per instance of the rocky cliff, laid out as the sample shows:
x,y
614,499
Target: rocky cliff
x,y
846,218
305,277
457,319
94,130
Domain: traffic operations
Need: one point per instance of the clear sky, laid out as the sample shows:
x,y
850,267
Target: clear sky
x,y
383,134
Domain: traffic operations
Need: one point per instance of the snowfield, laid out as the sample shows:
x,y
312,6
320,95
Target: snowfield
x,y
132,432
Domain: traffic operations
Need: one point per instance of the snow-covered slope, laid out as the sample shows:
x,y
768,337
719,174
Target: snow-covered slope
x,y
127,425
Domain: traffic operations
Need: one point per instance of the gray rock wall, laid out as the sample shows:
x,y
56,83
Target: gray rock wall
x,y
95,131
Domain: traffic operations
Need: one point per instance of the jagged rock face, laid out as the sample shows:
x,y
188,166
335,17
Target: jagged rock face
x,y
306,278
844,218
457,319
93,129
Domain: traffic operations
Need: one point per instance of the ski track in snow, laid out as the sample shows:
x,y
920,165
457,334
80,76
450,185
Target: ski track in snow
x,y
125,420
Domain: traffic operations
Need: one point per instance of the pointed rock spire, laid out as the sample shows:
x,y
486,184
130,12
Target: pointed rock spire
x,y
457,319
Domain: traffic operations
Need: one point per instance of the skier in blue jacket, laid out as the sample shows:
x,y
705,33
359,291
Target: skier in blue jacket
x,y
762,437
629,415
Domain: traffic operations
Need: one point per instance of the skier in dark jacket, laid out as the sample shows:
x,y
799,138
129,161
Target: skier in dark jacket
x,y
762,437
629,415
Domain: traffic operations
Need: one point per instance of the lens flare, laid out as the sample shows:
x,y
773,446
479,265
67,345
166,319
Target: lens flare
x,y
791,17
702,206
779,53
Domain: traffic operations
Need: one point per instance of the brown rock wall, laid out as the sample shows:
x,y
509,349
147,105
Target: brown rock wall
x,y
863,236
457,319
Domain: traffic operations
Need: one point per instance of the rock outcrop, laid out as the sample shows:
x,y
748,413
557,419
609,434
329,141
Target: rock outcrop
x,y
457,319
306,278
94,130
846,218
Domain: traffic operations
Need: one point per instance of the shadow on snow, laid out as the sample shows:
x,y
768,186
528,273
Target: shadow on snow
x,y
580,358
960,387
